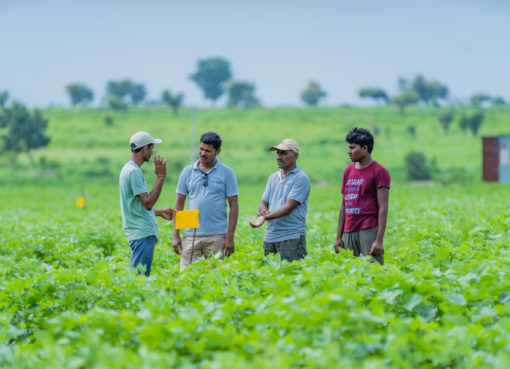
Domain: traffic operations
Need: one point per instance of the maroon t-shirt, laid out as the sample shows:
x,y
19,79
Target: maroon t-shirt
x,y
359,187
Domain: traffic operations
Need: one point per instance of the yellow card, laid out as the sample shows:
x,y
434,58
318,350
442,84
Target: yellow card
x,y
186,219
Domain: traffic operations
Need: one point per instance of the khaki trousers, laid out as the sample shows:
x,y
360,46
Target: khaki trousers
x,y
204,246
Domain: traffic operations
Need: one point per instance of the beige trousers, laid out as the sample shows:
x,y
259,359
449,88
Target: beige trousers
x,y
204,246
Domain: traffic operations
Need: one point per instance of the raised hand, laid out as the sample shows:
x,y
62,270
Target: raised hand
x,y
160,166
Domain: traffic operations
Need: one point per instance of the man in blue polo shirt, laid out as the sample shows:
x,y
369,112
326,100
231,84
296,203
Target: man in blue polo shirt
x,y
209,184
284,205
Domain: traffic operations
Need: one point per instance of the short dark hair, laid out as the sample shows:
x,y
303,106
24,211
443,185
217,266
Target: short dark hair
x,y
362,137
139,149
211,138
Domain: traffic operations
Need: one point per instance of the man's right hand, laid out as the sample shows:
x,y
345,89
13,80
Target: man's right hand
x,y
160,166
339,244
177,244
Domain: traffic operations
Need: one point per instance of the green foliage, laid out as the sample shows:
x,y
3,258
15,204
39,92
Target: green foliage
x,y
417,167
374,93
242,95
68,298
312,94
405,99
108,120
126,92
4,96
445,118
211,76
174,101
115,103
483,100
429,91
472,122
25,131
79,94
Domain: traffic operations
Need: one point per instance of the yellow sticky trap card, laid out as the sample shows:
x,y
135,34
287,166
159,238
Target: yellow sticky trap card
x,y
186,219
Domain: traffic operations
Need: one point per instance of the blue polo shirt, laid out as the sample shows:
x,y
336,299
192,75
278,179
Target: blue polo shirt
x,y
295,186
210,200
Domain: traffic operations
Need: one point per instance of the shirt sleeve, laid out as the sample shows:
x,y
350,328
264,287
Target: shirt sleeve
x,y
382,178
182,185
138,183
232,188
344,179
300,189
267,192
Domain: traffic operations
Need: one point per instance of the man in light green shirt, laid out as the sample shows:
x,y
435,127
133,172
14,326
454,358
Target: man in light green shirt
x,y
136,203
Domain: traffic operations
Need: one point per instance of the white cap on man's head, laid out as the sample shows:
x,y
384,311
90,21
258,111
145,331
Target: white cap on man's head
x,y
141,139
285,145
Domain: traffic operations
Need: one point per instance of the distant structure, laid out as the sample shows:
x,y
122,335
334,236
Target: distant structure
x,y
496,159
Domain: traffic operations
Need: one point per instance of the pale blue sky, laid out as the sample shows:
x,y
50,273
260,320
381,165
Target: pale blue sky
x,y
278,45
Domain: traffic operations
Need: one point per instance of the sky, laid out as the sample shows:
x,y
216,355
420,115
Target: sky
x,y
280,46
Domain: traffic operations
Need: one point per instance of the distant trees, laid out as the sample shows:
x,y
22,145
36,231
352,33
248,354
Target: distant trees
x,y
472,122
24,131
174,101
79,94
375,93
120,94
406,98
428,92
479,100
446,118
242,94
211,76
4,96
312,94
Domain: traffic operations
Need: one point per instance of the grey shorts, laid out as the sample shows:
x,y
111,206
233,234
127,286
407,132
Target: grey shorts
x,y
289,250
360,243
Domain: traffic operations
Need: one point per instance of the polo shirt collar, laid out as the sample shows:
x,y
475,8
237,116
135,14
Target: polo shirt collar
x,y
195,165
296,170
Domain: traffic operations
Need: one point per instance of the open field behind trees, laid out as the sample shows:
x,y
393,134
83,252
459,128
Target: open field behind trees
x,y
68,298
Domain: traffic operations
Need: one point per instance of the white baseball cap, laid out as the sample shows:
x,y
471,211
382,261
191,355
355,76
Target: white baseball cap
x,y
285,145
141,139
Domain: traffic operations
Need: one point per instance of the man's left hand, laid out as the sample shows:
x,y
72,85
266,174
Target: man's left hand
x,y
228,247
376,248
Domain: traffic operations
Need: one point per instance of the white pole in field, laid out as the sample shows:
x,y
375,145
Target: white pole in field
x,y
193,134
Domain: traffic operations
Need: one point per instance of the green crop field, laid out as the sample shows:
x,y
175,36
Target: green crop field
x,y
68,298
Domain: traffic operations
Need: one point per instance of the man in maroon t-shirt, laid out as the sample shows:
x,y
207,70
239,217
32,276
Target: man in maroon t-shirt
x,y
364,208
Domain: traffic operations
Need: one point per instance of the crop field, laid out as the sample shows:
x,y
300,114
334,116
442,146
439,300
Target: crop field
x,y
68,298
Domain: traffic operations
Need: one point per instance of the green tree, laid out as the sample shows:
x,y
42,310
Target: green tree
x,y
464,123
174,101
119,89
125,91
480,99
79,94
405,99
312,94
417,167
115,103
211,76
25,131
242,94
446,118
4,96
429,91
373,93
138,93
498,101
475,121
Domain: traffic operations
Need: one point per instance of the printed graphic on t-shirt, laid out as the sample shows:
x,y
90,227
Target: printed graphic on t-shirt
x,y
352,190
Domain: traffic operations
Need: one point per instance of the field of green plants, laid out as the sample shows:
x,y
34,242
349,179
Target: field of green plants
x,y
68,298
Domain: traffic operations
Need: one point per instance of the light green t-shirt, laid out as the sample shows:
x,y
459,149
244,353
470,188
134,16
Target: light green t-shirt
x,y
137,221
